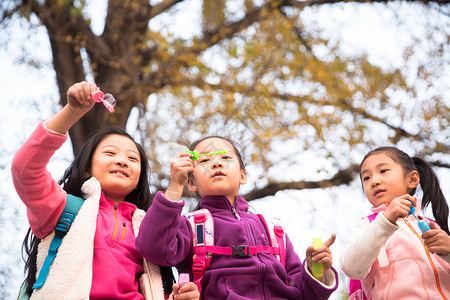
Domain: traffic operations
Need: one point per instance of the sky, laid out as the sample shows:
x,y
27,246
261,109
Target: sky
x,y
307,214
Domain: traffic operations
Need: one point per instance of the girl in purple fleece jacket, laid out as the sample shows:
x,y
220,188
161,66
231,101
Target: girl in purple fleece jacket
x,y
216,179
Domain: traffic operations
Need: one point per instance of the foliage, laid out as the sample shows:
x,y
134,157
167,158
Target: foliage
x,y
252,71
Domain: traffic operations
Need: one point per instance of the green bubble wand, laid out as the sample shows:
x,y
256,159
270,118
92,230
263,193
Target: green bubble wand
x,y
317,268
196,154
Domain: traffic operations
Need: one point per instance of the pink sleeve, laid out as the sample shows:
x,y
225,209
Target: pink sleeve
x,y
41,194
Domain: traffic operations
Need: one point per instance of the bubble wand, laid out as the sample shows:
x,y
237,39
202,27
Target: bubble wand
x,y
196,154
183,279
317,268
108,99
423,225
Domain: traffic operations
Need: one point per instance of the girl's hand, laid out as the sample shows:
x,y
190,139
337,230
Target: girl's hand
x,y
180,166
187,291
399,207
436,240
79,96
321,255
79,102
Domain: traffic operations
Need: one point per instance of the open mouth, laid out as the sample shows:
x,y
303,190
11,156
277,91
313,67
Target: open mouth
x,y
122,173
218,173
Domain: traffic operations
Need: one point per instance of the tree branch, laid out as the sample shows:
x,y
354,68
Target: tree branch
x,y
341,177
162,7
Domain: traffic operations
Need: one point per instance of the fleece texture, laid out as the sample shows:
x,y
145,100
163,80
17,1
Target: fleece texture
x,y
72,266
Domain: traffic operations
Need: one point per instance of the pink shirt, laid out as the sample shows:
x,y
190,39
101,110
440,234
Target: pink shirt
x,y
392,262
116,265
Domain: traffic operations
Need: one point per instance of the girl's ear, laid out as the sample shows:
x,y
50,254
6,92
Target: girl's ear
x,y
413,179
191,184
243,178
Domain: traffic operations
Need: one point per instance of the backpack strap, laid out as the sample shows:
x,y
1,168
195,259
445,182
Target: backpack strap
x,y
202,224
277,236
372,217
73,205
355,290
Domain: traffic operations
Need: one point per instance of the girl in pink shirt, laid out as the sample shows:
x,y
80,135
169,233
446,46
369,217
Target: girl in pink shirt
x,y
390,254
97,259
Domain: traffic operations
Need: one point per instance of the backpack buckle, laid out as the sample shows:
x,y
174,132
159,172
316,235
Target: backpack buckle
x,y
199,218
278,230
239,251
198,267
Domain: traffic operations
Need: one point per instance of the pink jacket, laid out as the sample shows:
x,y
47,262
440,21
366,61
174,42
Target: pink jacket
x,y
392,262
116,264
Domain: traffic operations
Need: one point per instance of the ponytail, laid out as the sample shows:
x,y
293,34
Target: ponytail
x,y
432,193
429,182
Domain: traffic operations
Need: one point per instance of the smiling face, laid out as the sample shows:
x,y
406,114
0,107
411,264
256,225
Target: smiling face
x,y
116,165
217,175
384,179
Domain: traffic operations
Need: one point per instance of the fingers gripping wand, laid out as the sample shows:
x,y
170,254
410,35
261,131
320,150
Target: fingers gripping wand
x,y
108,100
196,154
317,268
423,225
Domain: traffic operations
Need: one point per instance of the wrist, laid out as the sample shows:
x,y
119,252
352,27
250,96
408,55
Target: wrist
x,y
390,217
174,192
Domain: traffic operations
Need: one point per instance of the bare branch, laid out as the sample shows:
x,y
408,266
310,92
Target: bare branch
x,y
162,7
341,177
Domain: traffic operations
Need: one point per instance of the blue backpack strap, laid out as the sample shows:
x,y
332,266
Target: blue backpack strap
x,y
73,205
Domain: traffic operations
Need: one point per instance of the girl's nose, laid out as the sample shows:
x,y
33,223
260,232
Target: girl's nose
x,y
121,162
217,164
375,181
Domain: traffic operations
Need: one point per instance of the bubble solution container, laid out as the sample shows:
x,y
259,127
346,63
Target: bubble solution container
x,y
423,224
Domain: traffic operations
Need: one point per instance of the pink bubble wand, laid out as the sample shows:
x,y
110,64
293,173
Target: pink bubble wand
x,y
107,99
183,279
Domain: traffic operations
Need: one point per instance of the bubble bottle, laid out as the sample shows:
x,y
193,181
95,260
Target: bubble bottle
x,y
423,224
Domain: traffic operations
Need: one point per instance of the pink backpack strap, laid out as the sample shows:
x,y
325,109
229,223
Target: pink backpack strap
x,y
354,286
202,224
372,217
277,236
355,290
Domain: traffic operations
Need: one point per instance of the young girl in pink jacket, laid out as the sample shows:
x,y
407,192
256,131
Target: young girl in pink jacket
x,y
97,259
387,250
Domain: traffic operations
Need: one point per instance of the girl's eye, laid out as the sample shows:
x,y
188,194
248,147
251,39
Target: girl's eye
x,y
132,158
110,152
226,157
203,160
365,178
383,171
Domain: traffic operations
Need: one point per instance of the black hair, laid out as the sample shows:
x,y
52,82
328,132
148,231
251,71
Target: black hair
x,y
429,182
237,148
72,181
75,175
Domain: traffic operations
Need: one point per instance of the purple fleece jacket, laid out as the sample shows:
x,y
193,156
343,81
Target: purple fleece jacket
x,y
165,238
